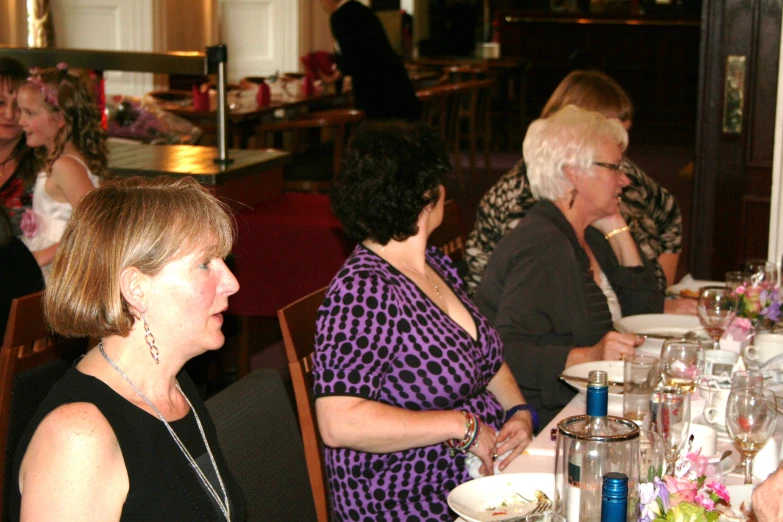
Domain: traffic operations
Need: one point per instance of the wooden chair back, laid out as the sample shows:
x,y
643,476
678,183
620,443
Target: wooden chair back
x,y
440,107
450,235
297,322
32,359
295,135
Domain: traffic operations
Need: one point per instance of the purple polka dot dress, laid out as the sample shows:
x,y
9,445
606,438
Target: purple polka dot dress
x,y
379,337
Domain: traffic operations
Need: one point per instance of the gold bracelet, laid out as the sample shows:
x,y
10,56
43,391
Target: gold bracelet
x,y
617,231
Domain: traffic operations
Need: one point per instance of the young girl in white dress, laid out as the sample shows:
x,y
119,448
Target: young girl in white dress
x,y
61,120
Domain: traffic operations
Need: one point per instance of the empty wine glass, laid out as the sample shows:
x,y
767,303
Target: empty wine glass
x,y
717,307
762,272
747,379
736,279
670,417
750,418
682,363
651,455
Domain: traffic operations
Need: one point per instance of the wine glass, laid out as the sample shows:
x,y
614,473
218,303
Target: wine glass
x,y
750,418
736,279
651,455
670,417
747,379
682,363
762,272
717,307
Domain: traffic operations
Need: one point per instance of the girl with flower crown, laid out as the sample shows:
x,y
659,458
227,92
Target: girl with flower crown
x,y
61,120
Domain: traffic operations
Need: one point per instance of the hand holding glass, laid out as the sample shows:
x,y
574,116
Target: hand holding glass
x,y
682,363
751,415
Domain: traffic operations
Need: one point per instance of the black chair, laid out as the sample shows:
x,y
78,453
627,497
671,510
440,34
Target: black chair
x,y
258,434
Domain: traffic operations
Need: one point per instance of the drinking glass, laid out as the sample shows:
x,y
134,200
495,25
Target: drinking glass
x,y
762,272
670,417
640,376
717,307
750,418
736,279
747,379
651,455
682,363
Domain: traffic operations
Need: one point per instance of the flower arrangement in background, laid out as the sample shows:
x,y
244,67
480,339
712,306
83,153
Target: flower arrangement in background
x,y
693,494
758,306
132,118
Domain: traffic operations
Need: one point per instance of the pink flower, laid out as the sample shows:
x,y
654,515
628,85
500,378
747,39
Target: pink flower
x,y
739,290
698,463
705,502
29,224
720,490
680,490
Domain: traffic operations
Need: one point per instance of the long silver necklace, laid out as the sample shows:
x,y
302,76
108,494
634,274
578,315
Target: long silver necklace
x,y
432,283
222,504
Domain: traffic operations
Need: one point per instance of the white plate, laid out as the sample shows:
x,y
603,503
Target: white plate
x,y
613,368
473,500
694,285
665,325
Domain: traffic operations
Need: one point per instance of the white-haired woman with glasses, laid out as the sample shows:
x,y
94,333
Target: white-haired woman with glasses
x,y
555,284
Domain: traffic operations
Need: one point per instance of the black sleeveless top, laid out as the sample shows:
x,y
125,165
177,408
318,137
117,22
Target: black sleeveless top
x,y
163,486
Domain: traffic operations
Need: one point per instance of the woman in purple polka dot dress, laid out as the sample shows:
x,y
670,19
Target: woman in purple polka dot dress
x,y
401,353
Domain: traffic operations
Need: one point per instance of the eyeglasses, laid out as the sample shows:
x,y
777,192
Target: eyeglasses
x,y
619,167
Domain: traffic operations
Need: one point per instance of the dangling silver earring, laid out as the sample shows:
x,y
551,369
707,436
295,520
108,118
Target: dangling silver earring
x,y
150,340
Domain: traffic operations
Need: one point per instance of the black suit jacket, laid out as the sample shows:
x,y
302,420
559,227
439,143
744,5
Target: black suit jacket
x,y
381,85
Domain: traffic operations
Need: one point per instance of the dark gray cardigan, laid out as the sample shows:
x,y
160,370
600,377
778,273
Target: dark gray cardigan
x,y
540,295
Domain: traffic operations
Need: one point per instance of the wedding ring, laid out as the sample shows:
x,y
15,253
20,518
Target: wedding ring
x,y
494,456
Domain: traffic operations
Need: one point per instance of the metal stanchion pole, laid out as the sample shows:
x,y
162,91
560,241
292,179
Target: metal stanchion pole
x,y
217,57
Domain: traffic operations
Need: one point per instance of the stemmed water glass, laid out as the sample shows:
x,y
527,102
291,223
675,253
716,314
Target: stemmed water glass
x,y
717,307
762,272
670,417
750,418
682,363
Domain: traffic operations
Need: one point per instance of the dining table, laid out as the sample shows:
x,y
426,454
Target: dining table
x,y
246,114
539,456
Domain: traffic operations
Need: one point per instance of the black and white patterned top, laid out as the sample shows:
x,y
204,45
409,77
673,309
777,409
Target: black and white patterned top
x,y
651,211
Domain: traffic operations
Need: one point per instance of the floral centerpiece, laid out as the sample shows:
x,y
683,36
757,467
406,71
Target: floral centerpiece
x,y
758,306
693,494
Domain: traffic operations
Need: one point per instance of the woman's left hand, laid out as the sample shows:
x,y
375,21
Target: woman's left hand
x,y
515,435
609,223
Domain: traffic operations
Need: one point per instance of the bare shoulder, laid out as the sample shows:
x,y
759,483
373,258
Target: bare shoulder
x,y
68,166
72,464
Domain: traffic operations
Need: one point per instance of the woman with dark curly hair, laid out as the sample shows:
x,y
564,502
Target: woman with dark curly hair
x,y
61,120
412,394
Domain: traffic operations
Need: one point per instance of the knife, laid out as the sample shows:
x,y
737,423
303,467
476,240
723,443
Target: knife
x,y
584,380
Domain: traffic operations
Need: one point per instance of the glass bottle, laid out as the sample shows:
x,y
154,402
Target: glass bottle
x,y
588,447
614,498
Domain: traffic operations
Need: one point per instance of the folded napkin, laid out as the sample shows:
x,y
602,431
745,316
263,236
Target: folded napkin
x,y
473,463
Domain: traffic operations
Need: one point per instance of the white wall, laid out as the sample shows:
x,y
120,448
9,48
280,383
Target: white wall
x,y
125,25
262,36
776,203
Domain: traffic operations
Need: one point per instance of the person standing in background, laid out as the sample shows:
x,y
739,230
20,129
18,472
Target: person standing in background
x,y
381,87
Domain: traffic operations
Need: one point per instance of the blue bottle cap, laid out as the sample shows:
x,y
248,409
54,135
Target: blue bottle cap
x,y
615,487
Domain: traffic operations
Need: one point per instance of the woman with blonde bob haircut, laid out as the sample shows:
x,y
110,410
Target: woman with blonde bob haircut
x,y
555,283
124,432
